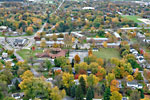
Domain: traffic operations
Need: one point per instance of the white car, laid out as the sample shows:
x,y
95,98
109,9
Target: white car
x,y
139,57
135,53
141,60
131,50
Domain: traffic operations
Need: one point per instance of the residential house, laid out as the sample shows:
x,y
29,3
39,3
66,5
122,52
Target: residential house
x,y
134,85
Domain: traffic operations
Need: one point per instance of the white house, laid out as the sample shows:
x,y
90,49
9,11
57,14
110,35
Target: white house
x,y
4,55
117,35
134,85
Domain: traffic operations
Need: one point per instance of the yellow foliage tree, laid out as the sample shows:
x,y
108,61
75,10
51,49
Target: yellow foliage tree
x,y
105,44
68,79
56,94
27,74
130,78
116,96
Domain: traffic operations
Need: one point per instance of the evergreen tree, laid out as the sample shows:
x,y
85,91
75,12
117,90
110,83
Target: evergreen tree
x,y
79,94
73,90
17,84
89,94
142,93
83,85
107,94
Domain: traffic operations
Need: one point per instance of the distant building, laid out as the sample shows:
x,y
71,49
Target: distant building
x,y
20,42
88,8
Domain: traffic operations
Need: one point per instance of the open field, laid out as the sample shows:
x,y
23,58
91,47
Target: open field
x,y
25,53
107,53
134,18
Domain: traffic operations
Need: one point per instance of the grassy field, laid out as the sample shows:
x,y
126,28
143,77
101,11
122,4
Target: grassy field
x,y
107,53
25,53
134,18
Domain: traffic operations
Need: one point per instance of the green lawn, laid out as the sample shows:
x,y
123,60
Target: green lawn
x,y
134,18
25,53
107,53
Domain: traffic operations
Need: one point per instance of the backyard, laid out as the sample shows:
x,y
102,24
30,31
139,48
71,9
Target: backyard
x,y
134,18
26,53
107,53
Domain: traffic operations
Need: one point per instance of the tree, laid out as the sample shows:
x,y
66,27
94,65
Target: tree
x,y
109,78
92,80
105,44
60,61
81,66
114,85
100,61
83,84
56,94
116,96
68,80
48,64
43,43
94,67
130,78
142,93
73,91
77,59
89,95
79,93
27,74
135,95
90,52
107,94
33,87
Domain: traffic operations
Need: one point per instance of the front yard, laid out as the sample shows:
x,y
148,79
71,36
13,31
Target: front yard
x,y
26,53
107,53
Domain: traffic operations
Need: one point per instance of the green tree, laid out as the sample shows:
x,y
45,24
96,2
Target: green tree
x,y
73,90
89,95
48,64
83,84
142,93
79,93
107,94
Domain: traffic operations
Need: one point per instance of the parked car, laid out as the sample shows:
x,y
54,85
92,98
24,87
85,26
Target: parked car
x,y
141,60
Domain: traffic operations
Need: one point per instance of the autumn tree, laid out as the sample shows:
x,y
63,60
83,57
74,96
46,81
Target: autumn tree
x,y
105,44
116,96
43,43
77,59
100,61
56,94
27,74
109,78
92,80
130,78
68,80
114,86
